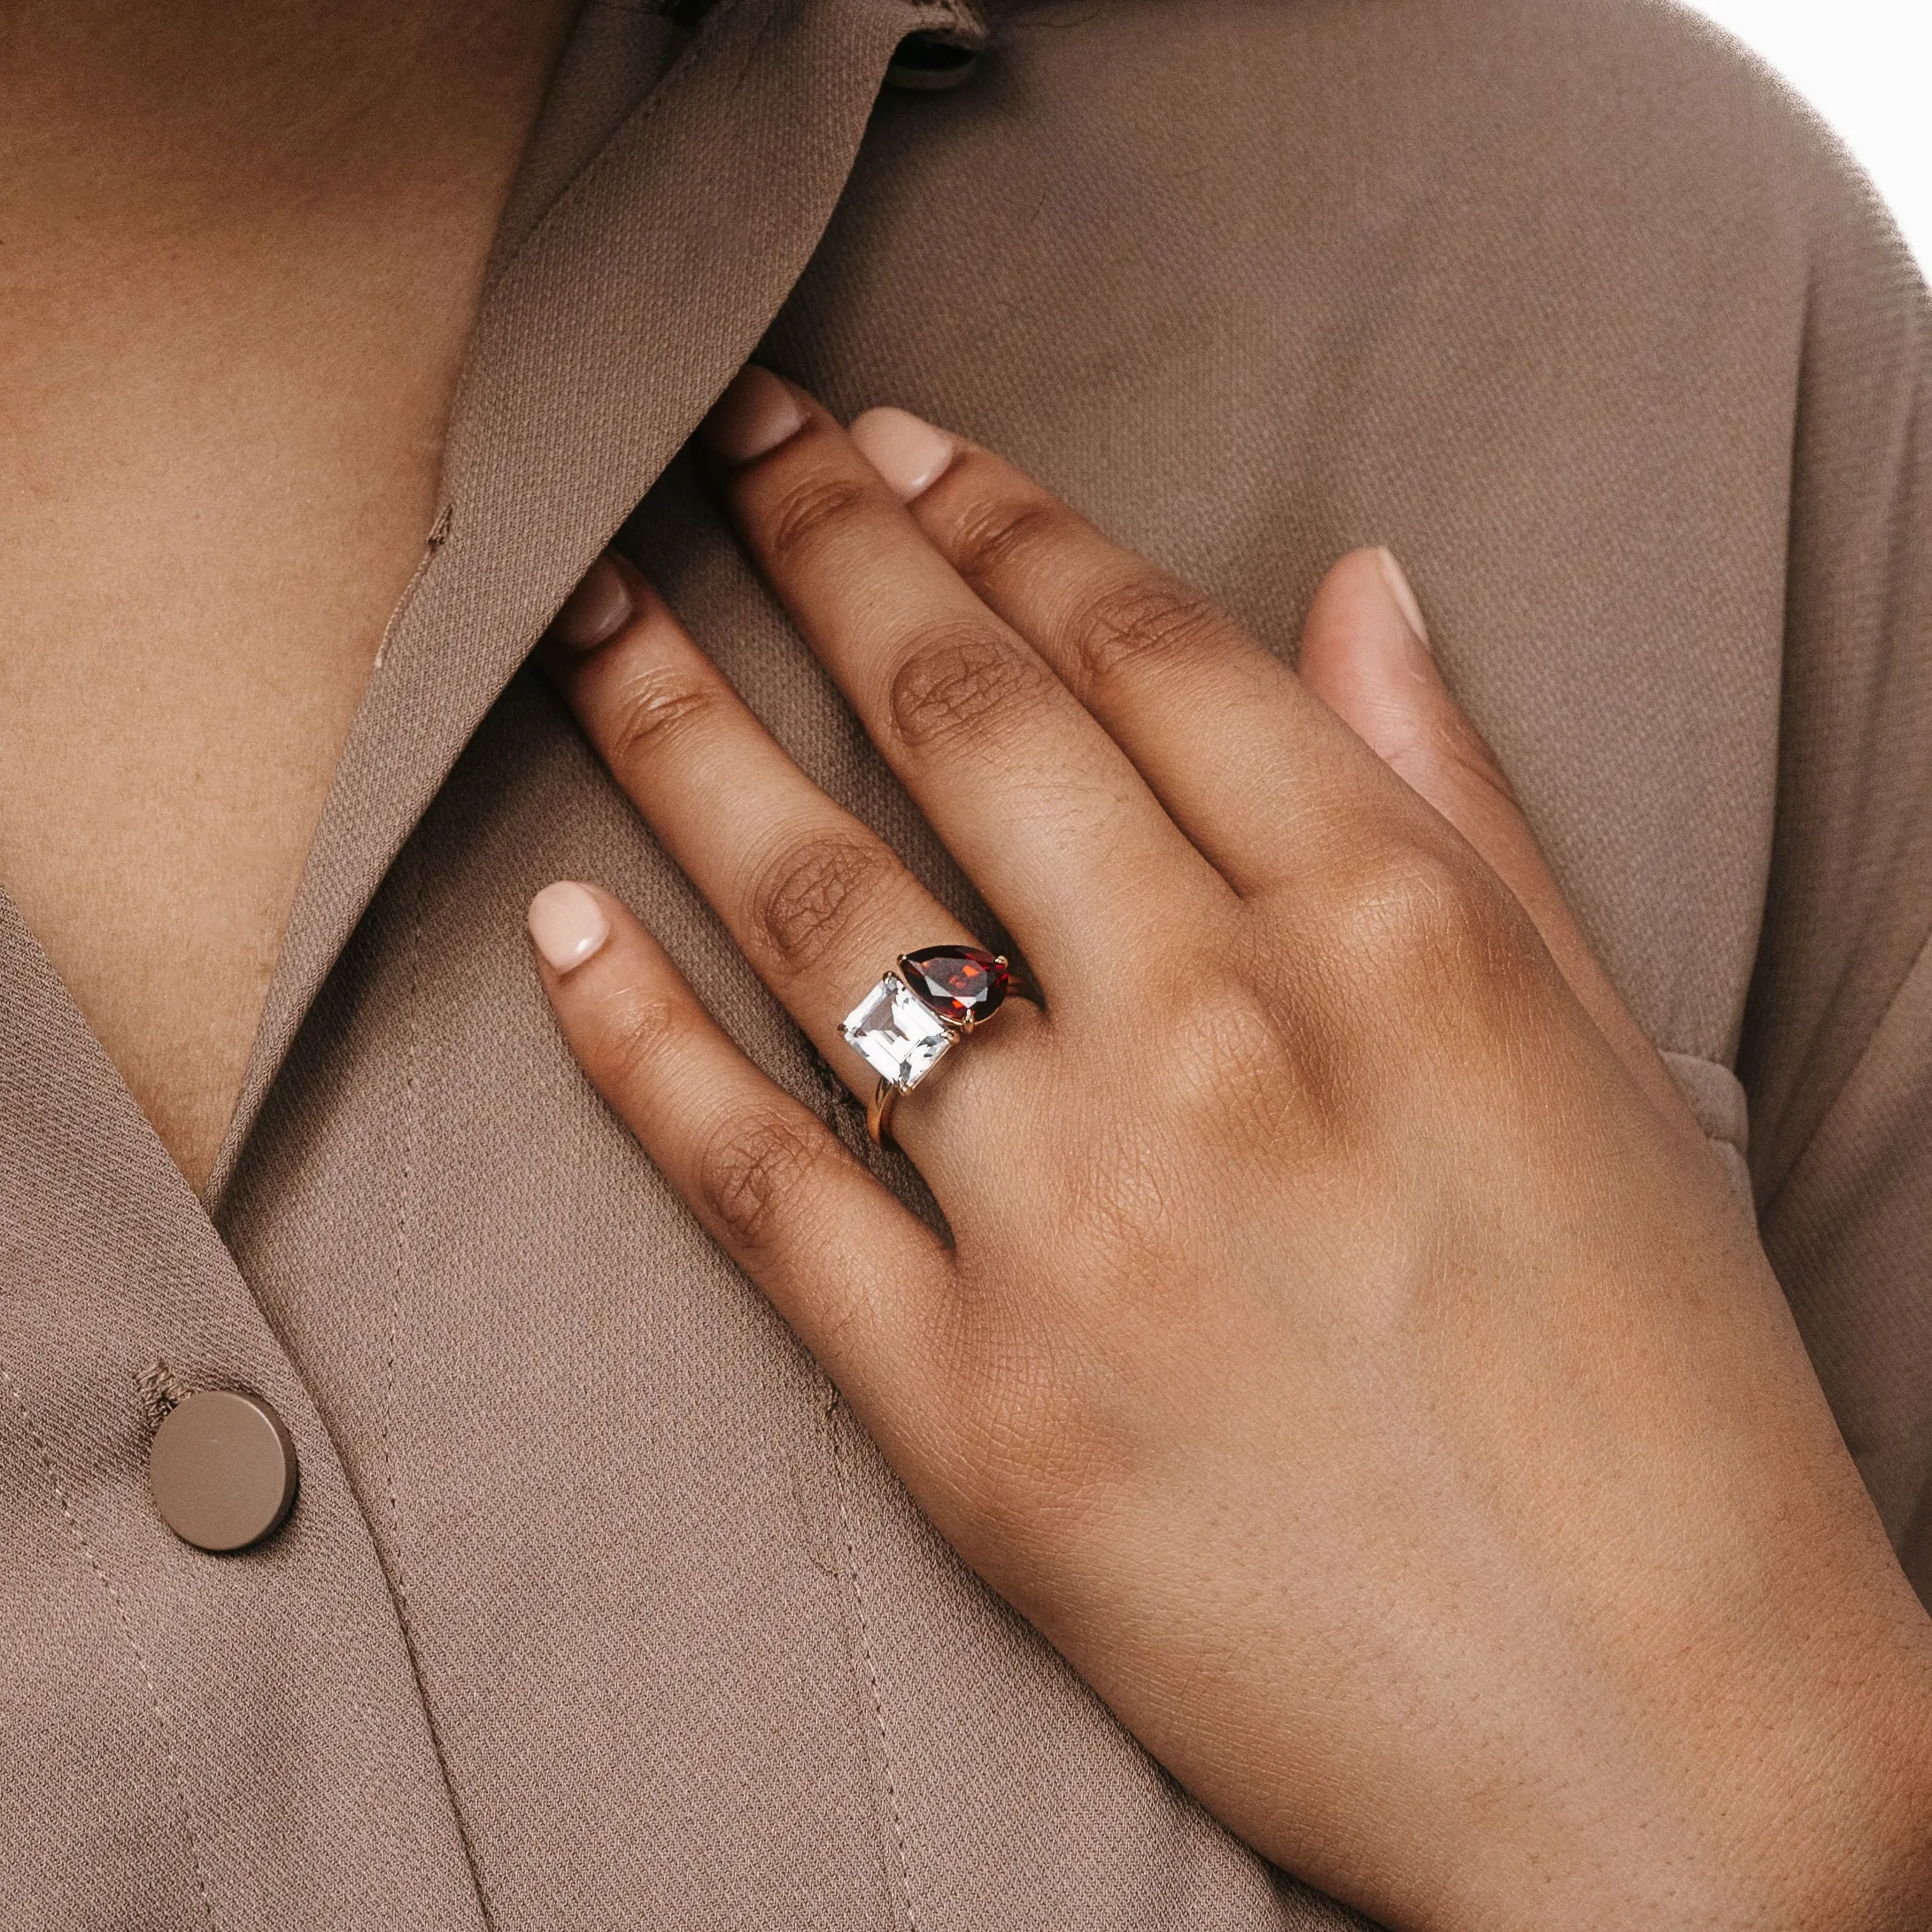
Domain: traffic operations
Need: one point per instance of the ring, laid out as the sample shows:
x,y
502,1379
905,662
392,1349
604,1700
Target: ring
x,y
925,1004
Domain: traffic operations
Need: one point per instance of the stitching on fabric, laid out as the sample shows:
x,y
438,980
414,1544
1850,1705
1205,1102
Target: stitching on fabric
x,y
440,533
392,1564
872,1671
399,1244
128,1634
161,1390
392,1560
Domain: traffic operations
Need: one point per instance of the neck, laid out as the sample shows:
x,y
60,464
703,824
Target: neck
x,y
155,125
242,248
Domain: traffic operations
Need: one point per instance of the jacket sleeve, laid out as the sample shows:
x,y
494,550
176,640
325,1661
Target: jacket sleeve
x,y
1837,1052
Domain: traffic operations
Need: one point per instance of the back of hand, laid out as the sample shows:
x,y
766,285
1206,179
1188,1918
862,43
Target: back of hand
x,y
1347,1350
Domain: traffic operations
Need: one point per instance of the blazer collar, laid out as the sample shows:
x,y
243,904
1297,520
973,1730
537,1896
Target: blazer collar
x,y
605,332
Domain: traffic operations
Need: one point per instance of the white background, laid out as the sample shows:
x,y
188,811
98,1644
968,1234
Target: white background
x,y
1867,66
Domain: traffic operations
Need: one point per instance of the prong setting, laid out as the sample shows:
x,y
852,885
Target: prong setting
x,y
910,1021
898,1036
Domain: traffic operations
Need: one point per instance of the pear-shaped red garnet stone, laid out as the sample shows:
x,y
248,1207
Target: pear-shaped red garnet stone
x,y
960,982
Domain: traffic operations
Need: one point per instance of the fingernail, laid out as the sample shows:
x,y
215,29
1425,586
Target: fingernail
x,y
567,925
908,453
756,414
596,610
1399,588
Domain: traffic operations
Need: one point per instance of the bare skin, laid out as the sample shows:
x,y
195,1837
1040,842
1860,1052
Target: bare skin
x,y
1352,1357
241,248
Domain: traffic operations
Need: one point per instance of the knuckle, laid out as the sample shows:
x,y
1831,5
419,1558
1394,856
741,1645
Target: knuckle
x,y
807,894
1236,1059
635,1028
803,515
1411,919
1123,1197
1148,621
962,677
995,534
747,1171
652,710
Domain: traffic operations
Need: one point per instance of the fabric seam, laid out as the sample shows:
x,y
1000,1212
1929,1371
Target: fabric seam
x,y
440,533
128,1634
399,1237
1922,959
393,1564
867,1656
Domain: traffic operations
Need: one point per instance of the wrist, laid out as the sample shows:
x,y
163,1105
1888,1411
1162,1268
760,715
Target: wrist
x,y
1820,1811
1848,1846
1794,1797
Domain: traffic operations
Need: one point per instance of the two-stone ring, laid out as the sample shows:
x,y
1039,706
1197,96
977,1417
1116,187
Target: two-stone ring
x,y
918,1012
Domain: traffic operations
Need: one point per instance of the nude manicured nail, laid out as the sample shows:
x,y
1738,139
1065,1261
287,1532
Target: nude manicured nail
x,y
596,610
567,925
756,414
908,453
1399,588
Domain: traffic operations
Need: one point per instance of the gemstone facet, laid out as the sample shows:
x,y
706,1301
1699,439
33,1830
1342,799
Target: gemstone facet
x,y
960,982
901,1038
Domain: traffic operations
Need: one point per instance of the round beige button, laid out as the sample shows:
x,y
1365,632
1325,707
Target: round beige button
x,y
223,1469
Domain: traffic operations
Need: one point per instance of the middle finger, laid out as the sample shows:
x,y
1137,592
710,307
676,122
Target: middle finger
x,y
1044,812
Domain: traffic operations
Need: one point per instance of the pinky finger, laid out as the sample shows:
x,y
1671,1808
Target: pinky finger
x,y
863,1282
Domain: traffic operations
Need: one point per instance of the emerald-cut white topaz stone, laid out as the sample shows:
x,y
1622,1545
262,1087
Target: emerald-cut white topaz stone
x,y
900,1036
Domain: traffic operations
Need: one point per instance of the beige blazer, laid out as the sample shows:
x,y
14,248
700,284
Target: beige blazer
x,y
595,1610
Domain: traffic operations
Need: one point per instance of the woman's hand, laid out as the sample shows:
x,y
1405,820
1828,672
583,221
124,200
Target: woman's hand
x,y
1347,1353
